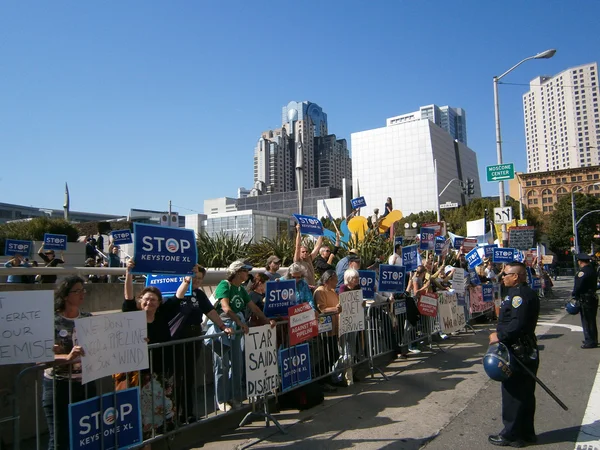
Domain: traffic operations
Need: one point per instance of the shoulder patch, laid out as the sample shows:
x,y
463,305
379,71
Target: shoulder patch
x,y
517,301
580,274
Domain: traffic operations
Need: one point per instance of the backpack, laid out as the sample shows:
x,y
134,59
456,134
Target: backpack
x,y
304,397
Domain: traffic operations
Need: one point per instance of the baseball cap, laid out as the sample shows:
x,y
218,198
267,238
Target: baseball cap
x,y
238,265
353,251
448,269
273,258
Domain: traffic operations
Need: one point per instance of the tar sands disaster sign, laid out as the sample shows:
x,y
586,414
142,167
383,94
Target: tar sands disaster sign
x,y
261,361
501,172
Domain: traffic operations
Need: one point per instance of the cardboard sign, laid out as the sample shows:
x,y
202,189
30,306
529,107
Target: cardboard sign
x,y
352,317
309,225
398,240
26,327
358,202
487,292
262,371
469,244
121,237
325,324
548,259
452,316
367,279
55,241
474,258
410,257
14,247
428,305
521,238
303,323
279,296
167,284
476,300
392,278
440,242
295,366
427,241
163,250
97,423
113,343
458,280
503,255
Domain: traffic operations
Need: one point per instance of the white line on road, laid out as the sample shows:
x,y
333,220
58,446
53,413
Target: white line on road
x,y
564,325
589,433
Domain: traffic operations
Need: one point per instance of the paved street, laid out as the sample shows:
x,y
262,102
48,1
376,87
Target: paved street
x,y
444,400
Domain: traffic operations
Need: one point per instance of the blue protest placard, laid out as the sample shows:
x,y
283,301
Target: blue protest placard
x,y
358,202
14,247
167,284
439,244
398,240
121,237
427,241
122,421
279,296
503,255
487,292
55,241
536,283
473,258
410,257
488,250
460,299
474,278
367,280
529,276
163,250
309,225
457,242
519,256
294,363
391,278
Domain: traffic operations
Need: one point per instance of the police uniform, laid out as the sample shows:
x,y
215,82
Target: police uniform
x,y
586,280
516,329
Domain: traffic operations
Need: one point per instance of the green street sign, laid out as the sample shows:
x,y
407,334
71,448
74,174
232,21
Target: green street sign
x,y
501,172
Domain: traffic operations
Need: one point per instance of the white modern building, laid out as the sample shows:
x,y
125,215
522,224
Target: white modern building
x,y
562,126
397,161
249,224
219,205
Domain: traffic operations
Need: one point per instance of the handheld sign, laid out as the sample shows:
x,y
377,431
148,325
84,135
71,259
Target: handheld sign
x,y
410,257
427,305
536,283
325,324
14,247
488,250
440,241
124,419
309,225
458,280
469,244
367,279
55,241
352,317
302,322
398,240
474,278
452,317
122,237
261,361
163,250
167,284
427,239
279,296
503,255
295,366
391,278
487,292
473,258
358,202
457,242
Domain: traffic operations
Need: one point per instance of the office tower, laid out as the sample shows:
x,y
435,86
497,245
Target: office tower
x,y
274,162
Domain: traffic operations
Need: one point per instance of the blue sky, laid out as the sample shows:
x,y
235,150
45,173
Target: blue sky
x,y
140,102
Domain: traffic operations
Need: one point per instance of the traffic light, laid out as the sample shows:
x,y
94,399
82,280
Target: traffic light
x,y
470,186
463,187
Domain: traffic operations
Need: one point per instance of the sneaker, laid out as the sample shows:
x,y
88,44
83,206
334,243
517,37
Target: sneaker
x,y
224,407
443,336
414,351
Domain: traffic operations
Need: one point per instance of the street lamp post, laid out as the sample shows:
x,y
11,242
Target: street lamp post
x,y
543,55
577,222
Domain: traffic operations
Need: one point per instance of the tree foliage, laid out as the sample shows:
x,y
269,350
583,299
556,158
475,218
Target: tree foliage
x,y
92,228
560,225
34,229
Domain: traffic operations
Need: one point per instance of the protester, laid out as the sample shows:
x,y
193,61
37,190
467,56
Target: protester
x,y
349,342
342,264
297,272
62,382
16,261
114,260
353,262
51,260
351,281
395,258
490,273
90,248
273,265
324,259
257,290
303,257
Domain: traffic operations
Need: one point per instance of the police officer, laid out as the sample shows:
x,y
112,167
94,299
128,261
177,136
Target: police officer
x,y
586,281
516,329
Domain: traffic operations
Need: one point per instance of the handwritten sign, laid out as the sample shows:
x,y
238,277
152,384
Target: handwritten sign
x,y
121,237
325,324
547,259
26,327
303,323
476,300
309,225
358,202
14,247
167,284
410,257
427,241
503,255
55,241
295,366
367,279
279,296
262,373
352,317
458,280
392,278
452,316
163,250
112,343
521,237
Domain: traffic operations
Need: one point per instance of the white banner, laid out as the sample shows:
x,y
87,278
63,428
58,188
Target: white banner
x,y
451,316
262,372
458,280
26,327
113,343
352,317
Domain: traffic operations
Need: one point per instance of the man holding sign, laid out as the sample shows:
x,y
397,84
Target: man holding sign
x,y
51,260
302,255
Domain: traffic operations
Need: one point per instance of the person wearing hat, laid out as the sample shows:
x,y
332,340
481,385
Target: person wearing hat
x,y
273,265
584,291
342,264
51,260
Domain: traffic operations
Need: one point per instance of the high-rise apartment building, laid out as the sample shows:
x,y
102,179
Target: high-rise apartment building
x,y
562,126
326,160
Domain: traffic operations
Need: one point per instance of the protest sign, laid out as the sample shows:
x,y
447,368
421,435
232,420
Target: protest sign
x,y
121,237
14,247
279,296
474,278
163,250
352,317
427,241
410,257
458,242
325,324
548,259
458,280
367,279
427,305
536,283
26,327
309,225
452,316
439,228
503,255
399,307
55,241
440,242
474,258
392,278
358,202
121,422
487,292
295,366
113,343
303,323
167,284
398,240
521,238
469,244
476,300
261,361
529,259
488,250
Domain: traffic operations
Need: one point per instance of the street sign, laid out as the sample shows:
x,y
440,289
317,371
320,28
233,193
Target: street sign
x,y
503,215
501,172
448,205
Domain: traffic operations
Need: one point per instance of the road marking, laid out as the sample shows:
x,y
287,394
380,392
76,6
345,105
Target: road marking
x,y
589,433
563,325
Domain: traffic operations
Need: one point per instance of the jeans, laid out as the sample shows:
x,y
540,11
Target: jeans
x,y
228,366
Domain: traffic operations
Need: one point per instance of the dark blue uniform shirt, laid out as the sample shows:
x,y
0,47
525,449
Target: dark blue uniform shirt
x,y
519,313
